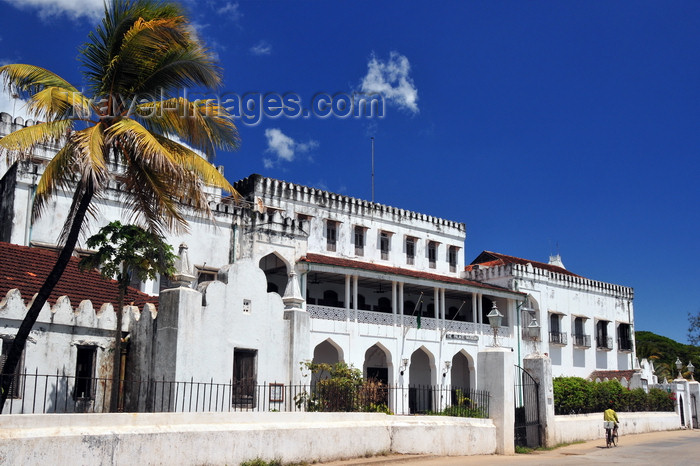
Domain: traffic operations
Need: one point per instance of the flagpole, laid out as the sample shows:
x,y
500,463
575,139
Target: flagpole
x,y
372,138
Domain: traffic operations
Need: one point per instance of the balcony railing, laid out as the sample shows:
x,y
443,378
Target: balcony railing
x,y
385,318
557,338
624,344
583,341
604,343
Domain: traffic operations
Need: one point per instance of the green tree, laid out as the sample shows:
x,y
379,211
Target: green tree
x,y
135,64
126,252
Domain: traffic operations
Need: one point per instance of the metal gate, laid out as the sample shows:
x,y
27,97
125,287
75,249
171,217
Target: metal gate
x,y
694,411
527,409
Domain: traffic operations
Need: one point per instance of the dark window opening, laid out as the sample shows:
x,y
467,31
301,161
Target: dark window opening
x,y
359,241
244,378
16,384
85,373
331,235
410,251
432,254
452,258
384,245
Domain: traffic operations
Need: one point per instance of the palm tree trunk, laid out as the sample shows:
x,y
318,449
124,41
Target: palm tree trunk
x,y
42,296
116,361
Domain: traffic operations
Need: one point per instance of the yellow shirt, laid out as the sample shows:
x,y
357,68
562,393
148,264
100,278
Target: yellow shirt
x,y
610,415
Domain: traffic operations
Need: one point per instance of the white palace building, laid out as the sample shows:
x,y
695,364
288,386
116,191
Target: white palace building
x,y
295,273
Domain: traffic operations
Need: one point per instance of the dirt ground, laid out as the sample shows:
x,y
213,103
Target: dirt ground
x,y
671,447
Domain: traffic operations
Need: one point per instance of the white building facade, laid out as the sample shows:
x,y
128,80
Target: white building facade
x,y
294,273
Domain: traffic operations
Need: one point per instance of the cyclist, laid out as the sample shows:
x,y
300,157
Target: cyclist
x,y
611,416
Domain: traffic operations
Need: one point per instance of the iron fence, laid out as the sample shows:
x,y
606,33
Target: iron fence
x,y
59,393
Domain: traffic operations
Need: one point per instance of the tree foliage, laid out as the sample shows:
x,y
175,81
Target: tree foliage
x,y
126,251
663,352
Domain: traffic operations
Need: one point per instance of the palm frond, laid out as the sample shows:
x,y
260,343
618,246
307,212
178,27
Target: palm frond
x,y
197,165
204,125
25,140
29,79
54,102
58,174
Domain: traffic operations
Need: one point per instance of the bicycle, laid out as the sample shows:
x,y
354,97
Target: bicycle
x,y
610,434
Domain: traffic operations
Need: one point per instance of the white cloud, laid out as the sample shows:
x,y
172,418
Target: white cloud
x,y
75,9
284,147
261,48
231,10
391,79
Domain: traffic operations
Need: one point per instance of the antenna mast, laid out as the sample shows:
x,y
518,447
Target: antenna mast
x,y
372,138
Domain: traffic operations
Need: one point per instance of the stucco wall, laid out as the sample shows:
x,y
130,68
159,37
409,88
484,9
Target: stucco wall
x,y
575,427
230,438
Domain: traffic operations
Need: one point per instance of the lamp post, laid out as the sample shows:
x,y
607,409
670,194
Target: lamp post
x,y
494,321
679,366
691,369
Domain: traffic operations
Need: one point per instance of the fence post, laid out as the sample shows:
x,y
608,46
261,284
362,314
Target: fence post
x,y
496,376
540,368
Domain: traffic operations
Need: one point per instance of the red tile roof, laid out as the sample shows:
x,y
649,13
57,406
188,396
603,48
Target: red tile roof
x,y
338,261
490,259
26,269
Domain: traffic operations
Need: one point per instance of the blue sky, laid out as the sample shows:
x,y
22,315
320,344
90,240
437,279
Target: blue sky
x,y
545,126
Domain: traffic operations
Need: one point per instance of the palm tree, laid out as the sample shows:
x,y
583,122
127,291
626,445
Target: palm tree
x,y
135,64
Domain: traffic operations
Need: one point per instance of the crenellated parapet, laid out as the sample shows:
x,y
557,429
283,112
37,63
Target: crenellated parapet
x,y
537,274
276,193
13,308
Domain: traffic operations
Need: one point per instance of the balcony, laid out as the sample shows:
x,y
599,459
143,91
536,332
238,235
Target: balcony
x,y
387,319
604,343
558,338
624,344
582,341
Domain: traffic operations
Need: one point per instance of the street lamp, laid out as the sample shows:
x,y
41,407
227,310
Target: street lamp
x,y
679,366
494,321
404,365
691,369
448,364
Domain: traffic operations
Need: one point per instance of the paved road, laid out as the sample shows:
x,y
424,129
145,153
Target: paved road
x,y
680,447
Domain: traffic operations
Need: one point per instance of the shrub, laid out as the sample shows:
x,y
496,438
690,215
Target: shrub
x,y
608,394
572,395
660,400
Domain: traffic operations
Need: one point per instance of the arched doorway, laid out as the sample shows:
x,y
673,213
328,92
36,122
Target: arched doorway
x,y
276,273
377,364
420,394
461,372
326,352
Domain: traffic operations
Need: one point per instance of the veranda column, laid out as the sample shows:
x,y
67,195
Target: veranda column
x,y
347,298
442,303
496,367
394,305
475,319
436,303
479,310
354,297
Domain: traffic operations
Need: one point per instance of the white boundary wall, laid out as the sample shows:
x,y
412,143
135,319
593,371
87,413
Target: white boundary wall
x,y
577,427
231,438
